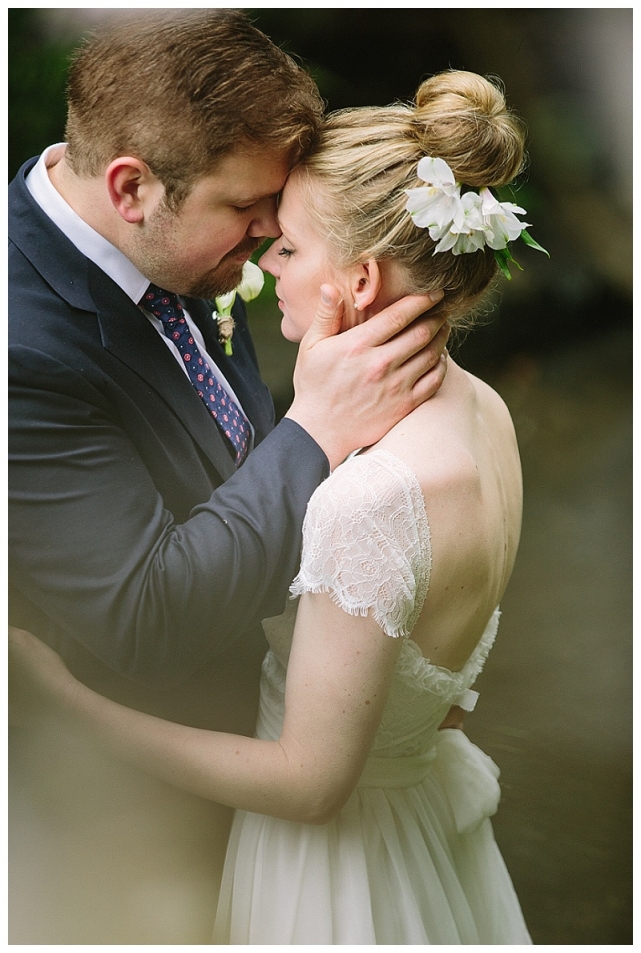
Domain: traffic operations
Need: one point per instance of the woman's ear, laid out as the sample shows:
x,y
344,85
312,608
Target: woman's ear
x,y
366,284
133,188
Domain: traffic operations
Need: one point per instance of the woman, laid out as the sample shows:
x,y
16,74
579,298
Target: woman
x,y
359,821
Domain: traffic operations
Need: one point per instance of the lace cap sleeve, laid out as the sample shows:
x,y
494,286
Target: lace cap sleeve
x,y
366,541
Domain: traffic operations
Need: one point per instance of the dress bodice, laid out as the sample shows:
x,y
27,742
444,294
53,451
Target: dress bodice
x,y
420,695
366,541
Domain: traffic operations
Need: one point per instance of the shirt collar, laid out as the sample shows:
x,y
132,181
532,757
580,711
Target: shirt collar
x,y
86,239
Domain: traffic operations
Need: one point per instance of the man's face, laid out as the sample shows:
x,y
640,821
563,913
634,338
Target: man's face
x,y
201,249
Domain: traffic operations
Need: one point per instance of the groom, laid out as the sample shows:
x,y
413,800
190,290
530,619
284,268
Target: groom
x,y
145,546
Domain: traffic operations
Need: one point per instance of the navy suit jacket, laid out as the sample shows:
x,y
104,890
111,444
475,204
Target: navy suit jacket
x,y
136,548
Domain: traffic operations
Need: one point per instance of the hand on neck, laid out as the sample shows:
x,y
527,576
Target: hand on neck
x,y
386,284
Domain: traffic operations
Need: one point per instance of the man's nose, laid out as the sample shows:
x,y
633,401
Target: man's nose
x,y
264,223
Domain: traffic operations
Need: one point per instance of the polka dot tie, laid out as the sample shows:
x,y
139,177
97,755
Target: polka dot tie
x,y
229,417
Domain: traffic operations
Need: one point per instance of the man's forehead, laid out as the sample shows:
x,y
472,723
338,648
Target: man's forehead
x,y
253,175
260,191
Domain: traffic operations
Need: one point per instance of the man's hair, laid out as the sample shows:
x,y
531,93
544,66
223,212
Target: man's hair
x,y
179,90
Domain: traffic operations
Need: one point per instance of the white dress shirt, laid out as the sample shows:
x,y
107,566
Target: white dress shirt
x,y
106,256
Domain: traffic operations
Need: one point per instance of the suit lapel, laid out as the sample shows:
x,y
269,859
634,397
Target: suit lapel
x,y
128,335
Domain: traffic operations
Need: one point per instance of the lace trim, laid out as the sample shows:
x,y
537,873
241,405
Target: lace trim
x,y
414,667
366,542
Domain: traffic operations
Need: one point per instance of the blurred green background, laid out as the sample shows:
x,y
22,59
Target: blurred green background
x,y
555,699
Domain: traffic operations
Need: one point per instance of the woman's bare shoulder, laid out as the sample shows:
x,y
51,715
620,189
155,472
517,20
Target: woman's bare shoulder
x,y
455,440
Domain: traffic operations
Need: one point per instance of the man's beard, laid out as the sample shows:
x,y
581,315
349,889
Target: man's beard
x,y
154,259
225,277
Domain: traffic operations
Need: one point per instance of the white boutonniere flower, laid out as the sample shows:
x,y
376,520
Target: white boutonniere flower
x,y
249,288
465,223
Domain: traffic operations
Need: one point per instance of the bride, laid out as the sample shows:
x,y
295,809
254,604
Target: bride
x,y
362,811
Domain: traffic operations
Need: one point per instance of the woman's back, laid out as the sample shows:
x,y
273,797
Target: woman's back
x,y
462,448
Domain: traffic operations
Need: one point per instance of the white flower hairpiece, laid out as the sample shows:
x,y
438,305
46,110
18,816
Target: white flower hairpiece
x,y
465,223
249,288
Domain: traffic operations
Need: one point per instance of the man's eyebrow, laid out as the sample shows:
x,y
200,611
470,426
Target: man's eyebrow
x,y
256,197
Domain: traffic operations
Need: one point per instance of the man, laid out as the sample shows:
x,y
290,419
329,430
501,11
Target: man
x,y
145,545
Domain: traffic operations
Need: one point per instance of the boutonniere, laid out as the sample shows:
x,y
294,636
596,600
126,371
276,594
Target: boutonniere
x,y
249,288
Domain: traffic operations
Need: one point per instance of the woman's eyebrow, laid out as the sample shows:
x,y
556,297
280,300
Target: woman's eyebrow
x,y
283,229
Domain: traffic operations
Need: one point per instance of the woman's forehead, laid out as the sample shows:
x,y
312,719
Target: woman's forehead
x,y
292,213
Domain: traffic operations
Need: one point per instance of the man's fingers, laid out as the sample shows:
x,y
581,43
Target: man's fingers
x,y
398,316
421,363
429,383
373,374
436,348
417,349
327,320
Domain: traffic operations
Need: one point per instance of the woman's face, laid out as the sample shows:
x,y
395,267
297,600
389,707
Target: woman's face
x,y
298,260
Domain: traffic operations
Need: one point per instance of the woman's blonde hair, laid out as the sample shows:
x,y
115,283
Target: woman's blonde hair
x,y
364,159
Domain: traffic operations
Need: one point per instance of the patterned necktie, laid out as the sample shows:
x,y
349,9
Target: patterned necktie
x,y
229,417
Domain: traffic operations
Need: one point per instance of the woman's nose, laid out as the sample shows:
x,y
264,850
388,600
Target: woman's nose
x,y
269,261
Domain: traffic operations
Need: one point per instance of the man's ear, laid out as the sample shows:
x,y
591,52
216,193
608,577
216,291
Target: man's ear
x,y
366,284
133,188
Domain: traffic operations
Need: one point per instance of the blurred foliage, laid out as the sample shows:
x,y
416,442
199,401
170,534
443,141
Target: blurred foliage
x,y
36,84
567,71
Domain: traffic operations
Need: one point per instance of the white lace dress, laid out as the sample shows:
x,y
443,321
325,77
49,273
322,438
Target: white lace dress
x,y
411,858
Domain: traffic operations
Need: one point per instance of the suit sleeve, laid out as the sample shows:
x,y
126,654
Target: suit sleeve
x,y
94,549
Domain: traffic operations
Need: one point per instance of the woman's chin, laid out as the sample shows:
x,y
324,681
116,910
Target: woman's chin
x,y
290,333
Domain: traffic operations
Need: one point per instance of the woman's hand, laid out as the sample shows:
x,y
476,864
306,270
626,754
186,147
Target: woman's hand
x,y
38,678
453,719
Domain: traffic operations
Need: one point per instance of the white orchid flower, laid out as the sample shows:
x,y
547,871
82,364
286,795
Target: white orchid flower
x,y
436,205
468,223
432,208
436,172
466,232
252,282
500,221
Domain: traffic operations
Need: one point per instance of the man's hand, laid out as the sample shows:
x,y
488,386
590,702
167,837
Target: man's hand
x,y
351,388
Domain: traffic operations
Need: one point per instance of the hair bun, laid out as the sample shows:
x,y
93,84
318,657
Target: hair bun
x,y
463,118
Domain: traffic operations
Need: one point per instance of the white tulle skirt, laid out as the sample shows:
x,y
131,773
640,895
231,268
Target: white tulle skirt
x,y
403,862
